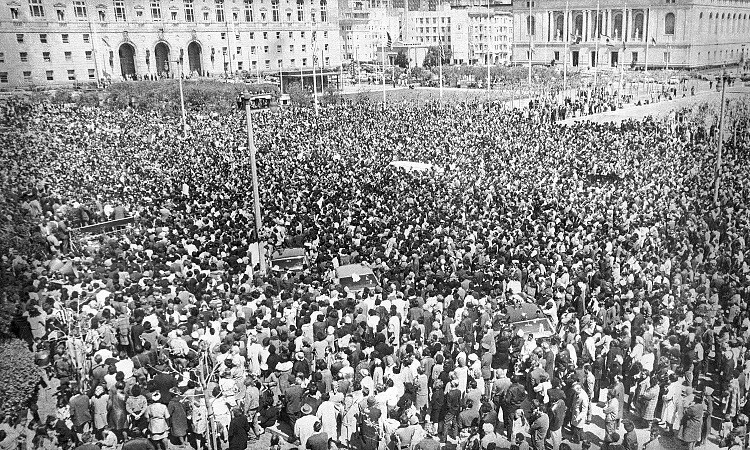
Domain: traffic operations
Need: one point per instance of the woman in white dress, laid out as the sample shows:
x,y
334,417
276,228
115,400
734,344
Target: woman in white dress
x,y
670,399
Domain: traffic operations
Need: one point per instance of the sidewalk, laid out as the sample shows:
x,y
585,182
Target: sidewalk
x,y
660,109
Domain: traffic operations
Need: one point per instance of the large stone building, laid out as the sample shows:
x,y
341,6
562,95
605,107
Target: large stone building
x,y
64,41
636,33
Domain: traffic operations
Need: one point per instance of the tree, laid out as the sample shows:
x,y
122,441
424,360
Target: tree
x,y
401,60
298,95
432,58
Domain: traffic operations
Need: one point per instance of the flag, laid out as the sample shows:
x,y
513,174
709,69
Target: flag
x,y
107,43
653,41
576,38
607,40
531,46
389,42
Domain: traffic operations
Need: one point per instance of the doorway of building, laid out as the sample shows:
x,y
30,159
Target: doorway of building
x,y
127,61
162,59
194,57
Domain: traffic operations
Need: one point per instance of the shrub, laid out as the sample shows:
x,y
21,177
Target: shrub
x,y
19,376
165,95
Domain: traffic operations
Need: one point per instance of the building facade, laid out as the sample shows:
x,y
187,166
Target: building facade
x,y
638,33
67,41
475,35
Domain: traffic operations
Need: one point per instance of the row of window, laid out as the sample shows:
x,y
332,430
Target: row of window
x,y
80,11
732,22
43,38
279,63
434,29
47,57
426,20
49,75
86,37
278,35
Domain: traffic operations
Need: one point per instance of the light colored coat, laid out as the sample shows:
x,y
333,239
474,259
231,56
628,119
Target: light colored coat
x,y
580,409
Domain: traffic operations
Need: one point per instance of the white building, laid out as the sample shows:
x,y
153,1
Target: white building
x,y
365,30
61,41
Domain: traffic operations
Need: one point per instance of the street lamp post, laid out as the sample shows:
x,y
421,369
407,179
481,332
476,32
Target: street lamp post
x,y
248,100
182,96
721,137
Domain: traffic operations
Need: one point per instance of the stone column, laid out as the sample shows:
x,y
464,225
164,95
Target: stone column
x,y
586,17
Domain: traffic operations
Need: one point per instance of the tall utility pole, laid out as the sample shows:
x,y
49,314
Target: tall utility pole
x,y
182,96
721,137
254,174
489,43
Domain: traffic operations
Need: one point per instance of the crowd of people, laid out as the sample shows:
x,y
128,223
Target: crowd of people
x,y
166,333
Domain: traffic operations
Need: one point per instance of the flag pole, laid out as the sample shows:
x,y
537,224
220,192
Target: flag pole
x,y
440,67
596,45
382,52
489,42
622,66
531,48
315,81
648,41
565,56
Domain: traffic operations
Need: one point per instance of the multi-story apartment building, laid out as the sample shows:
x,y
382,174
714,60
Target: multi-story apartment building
x,y
364,32
475,35
60,42
636,33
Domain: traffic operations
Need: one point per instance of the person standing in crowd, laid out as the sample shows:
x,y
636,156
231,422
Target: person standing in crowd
x,y
157,415
239,428
539,425
692,420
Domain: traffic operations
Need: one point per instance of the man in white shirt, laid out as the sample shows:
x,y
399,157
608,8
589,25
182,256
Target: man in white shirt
x,y
304,426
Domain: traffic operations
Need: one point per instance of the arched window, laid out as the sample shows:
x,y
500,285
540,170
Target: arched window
x,y
597,26
618,27
638,26
578,27
531,25
559,28
716,25
323,11
700,22
669,24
